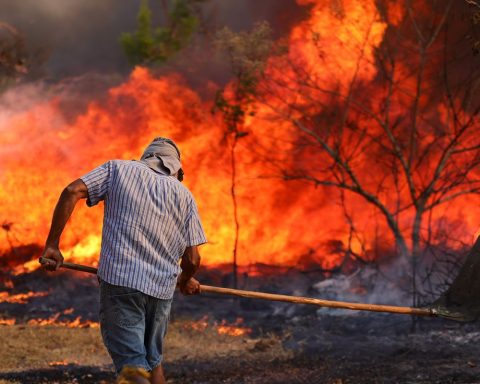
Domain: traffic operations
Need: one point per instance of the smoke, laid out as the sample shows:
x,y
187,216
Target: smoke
x,y
367,285
83,36
80,36
80,131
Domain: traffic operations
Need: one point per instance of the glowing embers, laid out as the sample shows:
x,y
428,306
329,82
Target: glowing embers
x,y
56,320
58,363
20,298
223,328
276,226
235,329
27,267
8,321
286,224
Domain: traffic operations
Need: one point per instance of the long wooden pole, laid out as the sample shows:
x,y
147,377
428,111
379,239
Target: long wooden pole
x,y
319,302
283,298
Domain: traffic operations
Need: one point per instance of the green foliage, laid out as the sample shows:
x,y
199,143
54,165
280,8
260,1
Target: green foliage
x,y
248,53
153,46
233,113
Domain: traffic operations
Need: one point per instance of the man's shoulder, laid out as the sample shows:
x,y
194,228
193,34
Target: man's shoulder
x,y
185,190
178,186
124,163
141,166
127,164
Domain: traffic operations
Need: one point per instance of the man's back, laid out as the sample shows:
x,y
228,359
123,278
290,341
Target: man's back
x,y
149,220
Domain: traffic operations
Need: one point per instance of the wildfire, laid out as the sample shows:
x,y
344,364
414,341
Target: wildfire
x,y
235,329
61,363
20,298
42,149
54,320
29,266
8,321
199,325
223,328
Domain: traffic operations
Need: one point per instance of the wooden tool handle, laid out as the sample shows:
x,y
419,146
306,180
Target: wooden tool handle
x,y
319,302
284,298
72,266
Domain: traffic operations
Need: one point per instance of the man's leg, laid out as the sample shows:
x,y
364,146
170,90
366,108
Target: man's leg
x,y
122,322
156,376
156,321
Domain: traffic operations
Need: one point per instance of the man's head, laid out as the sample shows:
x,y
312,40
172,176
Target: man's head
x,y
163,156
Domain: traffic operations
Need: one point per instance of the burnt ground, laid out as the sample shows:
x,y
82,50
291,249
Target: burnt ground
x,y
341,350
288,343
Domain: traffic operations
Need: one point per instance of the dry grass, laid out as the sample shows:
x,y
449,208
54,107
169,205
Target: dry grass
x,y
37,347
27,347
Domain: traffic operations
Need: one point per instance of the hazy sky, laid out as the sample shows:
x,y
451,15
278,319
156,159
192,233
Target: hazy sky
x,y
82,35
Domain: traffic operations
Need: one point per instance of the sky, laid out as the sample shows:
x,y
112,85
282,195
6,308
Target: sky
x,y
81,36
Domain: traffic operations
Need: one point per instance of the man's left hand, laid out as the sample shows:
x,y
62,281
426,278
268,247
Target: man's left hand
x,y
190,286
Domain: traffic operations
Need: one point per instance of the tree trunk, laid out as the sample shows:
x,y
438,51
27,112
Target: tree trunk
x,y
235,209
416,252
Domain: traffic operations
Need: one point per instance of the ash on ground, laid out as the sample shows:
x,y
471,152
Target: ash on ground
x,y
326,346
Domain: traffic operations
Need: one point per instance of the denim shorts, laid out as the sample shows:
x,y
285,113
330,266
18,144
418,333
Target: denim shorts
x,y
133,326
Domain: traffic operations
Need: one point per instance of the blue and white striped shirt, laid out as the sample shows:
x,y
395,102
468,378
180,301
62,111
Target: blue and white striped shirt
x,y
149,220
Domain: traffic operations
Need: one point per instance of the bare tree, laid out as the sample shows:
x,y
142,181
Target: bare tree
x,y
17,61
12,54
405,141
247,54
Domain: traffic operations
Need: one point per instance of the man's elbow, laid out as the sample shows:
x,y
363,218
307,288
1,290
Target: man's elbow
x,y
191,259
77,190
196,261
190,264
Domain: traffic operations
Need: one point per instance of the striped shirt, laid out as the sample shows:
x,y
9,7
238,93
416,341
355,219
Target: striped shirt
x,y
148,222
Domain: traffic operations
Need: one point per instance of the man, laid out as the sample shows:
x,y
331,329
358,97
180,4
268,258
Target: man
x,y
150,223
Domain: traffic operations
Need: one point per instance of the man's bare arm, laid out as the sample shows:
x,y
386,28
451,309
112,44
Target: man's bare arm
x,y
66,203
189,264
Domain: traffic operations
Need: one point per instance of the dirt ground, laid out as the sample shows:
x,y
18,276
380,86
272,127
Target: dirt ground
x,y
331,349
59,354
288,343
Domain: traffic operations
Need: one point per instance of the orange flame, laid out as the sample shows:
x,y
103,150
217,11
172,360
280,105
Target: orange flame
x,y
224,328
235,329
198,325
8,321
20,298
59,363
42,151
54,320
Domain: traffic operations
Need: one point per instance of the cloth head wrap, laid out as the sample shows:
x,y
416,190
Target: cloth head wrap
x,y
163,156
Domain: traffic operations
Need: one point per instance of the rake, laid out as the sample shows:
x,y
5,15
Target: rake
x,y
461,302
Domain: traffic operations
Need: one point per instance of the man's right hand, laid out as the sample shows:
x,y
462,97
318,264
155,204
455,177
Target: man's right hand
x,y
53,253
189,286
